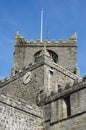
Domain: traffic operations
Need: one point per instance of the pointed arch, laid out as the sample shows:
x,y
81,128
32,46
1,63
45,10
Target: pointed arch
x,y
52,54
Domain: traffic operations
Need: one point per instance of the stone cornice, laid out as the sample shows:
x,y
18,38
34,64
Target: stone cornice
x,y
66,92
21,106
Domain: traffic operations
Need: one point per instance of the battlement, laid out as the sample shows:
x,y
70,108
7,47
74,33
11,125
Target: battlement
x,y
67,91
22,41
20,73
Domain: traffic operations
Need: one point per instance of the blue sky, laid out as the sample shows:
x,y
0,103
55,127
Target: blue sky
x,y
61,17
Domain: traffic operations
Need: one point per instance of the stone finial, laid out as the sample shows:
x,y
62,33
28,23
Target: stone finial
x,y
19,39
74,36
17,34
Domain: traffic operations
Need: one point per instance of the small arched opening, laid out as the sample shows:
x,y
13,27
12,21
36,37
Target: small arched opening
x,y
36,55
52,54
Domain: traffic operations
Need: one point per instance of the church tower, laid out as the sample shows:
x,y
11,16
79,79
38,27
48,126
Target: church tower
x,y
45,91
63,53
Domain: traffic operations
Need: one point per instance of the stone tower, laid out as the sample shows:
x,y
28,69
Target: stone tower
x,y
63,53
45,91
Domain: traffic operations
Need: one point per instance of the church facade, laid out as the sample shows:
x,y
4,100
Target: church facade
x,y
45,90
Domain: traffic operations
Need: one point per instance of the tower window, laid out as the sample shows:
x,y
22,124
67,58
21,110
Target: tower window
x,y
36,56
66,112
68,106
52,54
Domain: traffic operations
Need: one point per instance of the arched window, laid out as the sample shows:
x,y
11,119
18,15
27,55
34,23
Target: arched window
x,y
52,54
36,55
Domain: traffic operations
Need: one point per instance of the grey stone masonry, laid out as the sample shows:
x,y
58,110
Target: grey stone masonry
x,y
41,79
15,115
66,52
66,110
15,87
45,91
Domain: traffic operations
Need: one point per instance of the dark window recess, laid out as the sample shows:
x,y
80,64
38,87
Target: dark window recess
x,y
74,72
52,54
36,56
68,106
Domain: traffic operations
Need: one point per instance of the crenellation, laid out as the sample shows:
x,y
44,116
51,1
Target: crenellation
x,y
84,78
53,41
31,41
2,81
46,41
61,42
68,91
38,41
71,40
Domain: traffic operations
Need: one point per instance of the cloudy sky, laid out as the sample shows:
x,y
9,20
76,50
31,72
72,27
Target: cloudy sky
x,y
61,17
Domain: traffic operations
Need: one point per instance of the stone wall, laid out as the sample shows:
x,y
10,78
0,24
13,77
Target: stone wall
x,y
15,115
67,109
73,123
14,86
41,79
66,51
57,78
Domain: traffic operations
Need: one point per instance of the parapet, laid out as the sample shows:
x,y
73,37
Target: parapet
x,y
20,73
22,106
70,41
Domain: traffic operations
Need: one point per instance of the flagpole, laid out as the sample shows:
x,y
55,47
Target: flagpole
x,y
41,33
